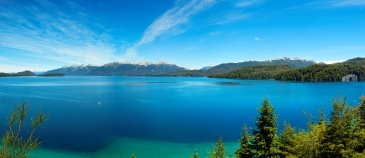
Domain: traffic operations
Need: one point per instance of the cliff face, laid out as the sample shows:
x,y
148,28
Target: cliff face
x,y
350,78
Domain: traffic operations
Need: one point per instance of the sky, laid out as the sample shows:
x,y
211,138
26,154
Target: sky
x,y
40,35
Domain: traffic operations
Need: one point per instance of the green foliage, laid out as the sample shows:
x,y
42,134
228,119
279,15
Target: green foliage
x,y
288,72
185,73
244,150
228,67
219,149
323,72
308,142
133,156
340,134
16,141
263,72
287,141
265,139
360,134
361,110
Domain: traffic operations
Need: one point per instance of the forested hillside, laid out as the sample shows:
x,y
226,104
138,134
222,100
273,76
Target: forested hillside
x,y
312,73
322,72
265,72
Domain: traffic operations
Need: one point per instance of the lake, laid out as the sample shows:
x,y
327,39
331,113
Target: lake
x,y
93,116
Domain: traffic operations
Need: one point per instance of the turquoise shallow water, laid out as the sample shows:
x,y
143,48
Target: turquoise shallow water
x,y
91,116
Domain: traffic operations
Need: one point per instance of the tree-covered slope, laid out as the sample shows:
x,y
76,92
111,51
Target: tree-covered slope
x,y
323,72
228,67
312,73
263,72
186,73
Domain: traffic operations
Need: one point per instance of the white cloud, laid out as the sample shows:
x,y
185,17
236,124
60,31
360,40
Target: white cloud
x,y
170,21
333,61
43,31
257,39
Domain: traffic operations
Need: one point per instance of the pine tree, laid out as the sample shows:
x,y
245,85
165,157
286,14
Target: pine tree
x,y
244,151
361,110
219,149
341,133
287,141
16,142
360,134
265,139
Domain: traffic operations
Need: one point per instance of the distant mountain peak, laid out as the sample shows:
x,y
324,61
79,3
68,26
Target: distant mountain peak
x,y
288,59
143,63
206,68
76,66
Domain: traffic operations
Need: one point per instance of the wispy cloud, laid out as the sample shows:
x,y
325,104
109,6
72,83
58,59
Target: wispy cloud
x,y
345,3
247,3
44,31
328,4
231,18
170,22
235,13
257,39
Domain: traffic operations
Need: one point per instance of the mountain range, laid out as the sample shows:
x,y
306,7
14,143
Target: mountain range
x,y
247,69
228,67
164,69
119,69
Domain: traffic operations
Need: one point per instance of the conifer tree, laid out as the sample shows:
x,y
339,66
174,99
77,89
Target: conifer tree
x,y
244,151
287,141
341,132
265,139
17,142
360,134
361,110
219,149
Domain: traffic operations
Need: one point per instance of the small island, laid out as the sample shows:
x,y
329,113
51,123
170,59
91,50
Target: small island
x,y
30,73
23,73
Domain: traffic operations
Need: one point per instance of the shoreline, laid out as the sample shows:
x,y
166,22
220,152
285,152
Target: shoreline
x,y
124,147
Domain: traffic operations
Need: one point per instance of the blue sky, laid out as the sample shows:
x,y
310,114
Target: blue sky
x,y
40,35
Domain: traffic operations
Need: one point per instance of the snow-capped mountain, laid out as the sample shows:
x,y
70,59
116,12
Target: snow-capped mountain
x,y
117,68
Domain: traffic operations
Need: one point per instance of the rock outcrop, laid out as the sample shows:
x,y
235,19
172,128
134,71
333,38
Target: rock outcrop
x,y
350,78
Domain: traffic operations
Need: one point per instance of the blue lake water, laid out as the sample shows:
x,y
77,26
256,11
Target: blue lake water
x,y
86,114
